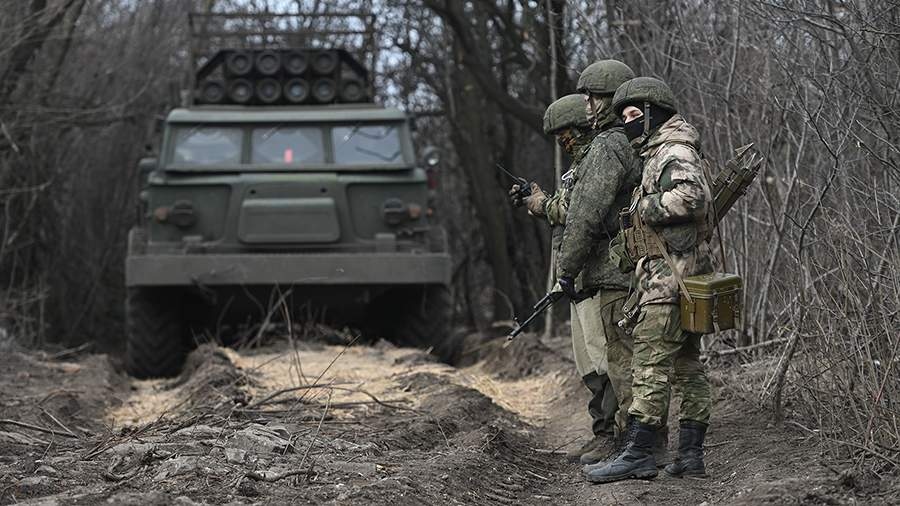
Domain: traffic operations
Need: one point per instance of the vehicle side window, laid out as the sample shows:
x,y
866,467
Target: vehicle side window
x,y
207,145
287,145
367,144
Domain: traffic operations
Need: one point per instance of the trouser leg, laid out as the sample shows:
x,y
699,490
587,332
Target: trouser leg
x,y
619,347
691,382
603,405
658,341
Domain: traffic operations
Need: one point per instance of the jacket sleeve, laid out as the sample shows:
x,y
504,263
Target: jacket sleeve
x,y
684,196
599,178
556,207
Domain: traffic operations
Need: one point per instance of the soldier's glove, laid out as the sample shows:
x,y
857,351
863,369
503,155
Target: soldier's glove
x,y
567,285
535,201
515,198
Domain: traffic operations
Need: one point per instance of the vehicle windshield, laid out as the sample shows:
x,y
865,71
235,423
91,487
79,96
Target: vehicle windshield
x,y
207,145
366,143
287,145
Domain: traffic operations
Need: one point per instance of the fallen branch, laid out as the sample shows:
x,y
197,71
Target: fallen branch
x,y
57,422
733,351
37,428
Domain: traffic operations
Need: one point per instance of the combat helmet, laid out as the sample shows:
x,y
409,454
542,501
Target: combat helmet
x,y
644,90
566,112
603,77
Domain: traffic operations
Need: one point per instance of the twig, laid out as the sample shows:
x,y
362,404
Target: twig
x,y
58,422
70,352
12,143
330,364
37,428
271,478
732,351
536,475
283,391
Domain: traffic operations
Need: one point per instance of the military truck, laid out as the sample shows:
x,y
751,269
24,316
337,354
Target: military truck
x,y
281,186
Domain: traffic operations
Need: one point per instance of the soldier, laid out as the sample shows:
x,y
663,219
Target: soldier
x,y
567,120
600,182
603,183
671,209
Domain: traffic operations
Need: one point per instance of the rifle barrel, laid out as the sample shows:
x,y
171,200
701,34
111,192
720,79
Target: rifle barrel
x,y
539,308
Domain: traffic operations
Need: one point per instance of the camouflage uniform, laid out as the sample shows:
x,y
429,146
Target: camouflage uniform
x,y
589,328
673,201
601,184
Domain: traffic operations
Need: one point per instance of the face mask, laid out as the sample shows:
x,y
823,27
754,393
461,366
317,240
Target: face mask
x,y
589,110
567,140
639,129
634,128
599,111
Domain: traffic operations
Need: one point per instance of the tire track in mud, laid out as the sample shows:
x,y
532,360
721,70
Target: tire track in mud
x,y
376,425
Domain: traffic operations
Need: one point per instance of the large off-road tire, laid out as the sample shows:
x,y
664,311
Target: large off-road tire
x,y
419,317
157,332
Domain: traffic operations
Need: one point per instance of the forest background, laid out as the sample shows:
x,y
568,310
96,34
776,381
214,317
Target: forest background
x,y
812,82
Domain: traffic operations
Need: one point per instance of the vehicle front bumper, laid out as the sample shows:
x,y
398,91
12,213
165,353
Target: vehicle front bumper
x,y
287,269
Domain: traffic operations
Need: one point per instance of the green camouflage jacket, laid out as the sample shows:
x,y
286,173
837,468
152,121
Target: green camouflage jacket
x,y
602,183
674,201
556,206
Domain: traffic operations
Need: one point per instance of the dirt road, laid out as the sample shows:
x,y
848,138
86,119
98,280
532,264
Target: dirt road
x,y
313,424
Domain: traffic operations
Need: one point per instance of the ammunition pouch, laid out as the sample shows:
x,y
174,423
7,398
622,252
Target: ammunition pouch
x,y
619,256
637,237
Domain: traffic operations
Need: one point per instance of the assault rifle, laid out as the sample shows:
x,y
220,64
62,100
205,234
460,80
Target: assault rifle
x,y
734,179
542,305
524,185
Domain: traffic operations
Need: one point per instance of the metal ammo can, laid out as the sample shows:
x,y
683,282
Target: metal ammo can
x,y
715,305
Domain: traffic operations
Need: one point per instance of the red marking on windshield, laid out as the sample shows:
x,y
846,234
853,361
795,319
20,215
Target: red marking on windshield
x,y
288,155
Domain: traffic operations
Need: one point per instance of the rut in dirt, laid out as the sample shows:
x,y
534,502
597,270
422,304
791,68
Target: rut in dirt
x,y
383,425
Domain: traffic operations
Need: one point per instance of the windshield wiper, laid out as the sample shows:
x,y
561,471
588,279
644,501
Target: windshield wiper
x,y
350,135
378,155
378,137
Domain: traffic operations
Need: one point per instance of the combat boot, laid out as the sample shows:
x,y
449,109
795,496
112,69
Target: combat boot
x,y
661,447
635,461
689,461
621,441
601,451
576,454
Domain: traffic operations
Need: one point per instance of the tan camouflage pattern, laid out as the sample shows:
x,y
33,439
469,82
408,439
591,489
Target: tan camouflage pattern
x,y
555,206
667,359
602,184
675,202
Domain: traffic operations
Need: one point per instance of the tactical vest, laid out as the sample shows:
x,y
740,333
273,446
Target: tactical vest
x,y
642,241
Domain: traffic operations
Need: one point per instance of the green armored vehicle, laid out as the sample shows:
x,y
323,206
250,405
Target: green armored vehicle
x,y
282,189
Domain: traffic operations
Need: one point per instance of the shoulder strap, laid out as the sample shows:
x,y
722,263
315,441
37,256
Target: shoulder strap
x,y
668,259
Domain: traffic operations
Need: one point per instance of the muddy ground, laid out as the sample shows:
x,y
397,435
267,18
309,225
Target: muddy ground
x,y
308,423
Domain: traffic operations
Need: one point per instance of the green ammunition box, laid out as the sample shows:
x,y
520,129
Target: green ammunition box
x,y
715,304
